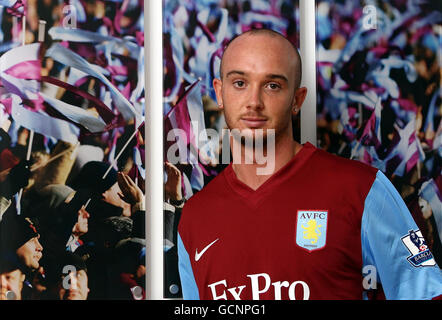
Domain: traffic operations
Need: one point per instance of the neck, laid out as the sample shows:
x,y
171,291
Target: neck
x,y
253,173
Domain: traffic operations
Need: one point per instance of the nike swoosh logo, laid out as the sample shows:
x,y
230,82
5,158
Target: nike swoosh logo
x,y
198,255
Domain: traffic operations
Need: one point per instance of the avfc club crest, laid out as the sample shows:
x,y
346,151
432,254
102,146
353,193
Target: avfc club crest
x,y
420,254
311,229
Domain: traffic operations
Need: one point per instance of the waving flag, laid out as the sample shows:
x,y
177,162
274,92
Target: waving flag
x,y
429,127
15,7
371,134
20,71
187,116
20,74
42,123
431,192
120,55
76,114
71,59
407,153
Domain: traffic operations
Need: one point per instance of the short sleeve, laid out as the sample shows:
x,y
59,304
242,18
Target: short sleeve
x,y
188,283
394,246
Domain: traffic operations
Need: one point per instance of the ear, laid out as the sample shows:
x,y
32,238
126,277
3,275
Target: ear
x,y
298,100
217,86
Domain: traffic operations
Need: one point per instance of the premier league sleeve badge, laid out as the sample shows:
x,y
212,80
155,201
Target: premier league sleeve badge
x,y
420,253
311,229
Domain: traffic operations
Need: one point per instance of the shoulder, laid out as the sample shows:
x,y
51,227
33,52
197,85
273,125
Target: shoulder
x,y
342,171
209,193
197,207
348,166
340,180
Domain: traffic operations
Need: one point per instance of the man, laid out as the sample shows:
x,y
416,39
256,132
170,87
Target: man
x,y
66,277
100,257
116,194
19,242
11,280
19,236
78,288
105,192
73,284
317,227
62,217
129,270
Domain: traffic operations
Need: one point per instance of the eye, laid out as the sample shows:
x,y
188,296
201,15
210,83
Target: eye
x,y
239,84
273,86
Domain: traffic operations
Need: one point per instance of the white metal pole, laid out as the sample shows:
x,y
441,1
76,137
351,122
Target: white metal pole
x,y
31,132
307,30
41,30
23,30
154,152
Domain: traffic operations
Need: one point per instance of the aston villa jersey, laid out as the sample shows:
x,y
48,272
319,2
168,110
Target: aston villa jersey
x,y
322,227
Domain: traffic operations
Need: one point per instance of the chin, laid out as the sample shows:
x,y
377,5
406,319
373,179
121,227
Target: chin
x,y
74,296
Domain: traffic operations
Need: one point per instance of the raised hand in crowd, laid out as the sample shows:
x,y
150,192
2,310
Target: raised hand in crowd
x,y
17,178
172,186
81,227
130,192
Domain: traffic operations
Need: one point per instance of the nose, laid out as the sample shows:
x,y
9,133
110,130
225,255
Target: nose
x,y
255,98
38,246
74,282
3,282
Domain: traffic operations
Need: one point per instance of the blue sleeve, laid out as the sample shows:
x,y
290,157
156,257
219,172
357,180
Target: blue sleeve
x,y
393,244
188,283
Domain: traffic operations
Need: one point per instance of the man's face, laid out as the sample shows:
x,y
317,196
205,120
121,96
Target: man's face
x,y
11,284
78,289
30,253
258,89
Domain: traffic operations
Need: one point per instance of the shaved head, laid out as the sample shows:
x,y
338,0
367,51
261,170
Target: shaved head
x,y
293,51
259,90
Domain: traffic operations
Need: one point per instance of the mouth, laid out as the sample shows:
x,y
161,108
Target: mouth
x,y
73,295
254,122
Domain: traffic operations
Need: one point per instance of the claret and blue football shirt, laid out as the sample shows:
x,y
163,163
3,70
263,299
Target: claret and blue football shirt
x,y
321,227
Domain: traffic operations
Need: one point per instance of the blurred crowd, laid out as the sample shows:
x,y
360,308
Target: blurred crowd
x,y
69,240
72,215
380,99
